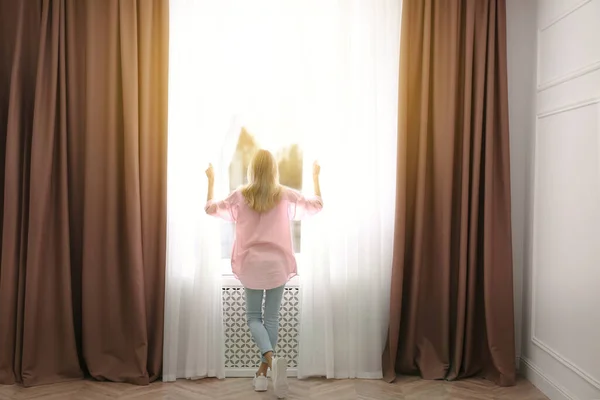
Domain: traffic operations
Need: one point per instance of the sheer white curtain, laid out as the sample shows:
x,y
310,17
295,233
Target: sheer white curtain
x,y
347,250
318,73
194,337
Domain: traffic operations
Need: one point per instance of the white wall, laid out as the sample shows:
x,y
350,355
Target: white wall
x,y
554,84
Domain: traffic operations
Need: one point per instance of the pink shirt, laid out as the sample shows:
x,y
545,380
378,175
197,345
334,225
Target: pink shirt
x,y
263,256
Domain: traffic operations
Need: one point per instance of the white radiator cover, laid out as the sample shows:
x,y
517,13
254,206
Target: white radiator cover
x,y
241,354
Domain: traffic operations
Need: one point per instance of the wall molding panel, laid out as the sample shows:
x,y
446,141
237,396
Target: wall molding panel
x,y
527,365
569,76
559,61
566,362
567,108
564,15
535,375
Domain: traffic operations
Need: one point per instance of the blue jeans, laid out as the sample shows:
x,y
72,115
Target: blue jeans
x,y
265,334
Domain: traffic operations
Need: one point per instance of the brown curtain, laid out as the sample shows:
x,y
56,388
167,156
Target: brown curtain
x,y
452,297
83,111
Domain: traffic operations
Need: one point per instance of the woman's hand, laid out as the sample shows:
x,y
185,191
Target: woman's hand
x,y
316,169
210,172
316,172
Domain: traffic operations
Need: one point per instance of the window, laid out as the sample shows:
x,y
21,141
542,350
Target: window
x,y
290,162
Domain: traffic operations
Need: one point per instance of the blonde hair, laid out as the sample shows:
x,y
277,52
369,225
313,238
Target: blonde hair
x,y
263,191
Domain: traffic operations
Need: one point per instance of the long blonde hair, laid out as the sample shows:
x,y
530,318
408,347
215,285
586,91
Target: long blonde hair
x,y
263,191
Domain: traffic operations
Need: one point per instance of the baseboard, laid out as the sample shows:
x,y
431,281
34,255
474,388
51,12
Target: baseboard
x,y
249,372
535,375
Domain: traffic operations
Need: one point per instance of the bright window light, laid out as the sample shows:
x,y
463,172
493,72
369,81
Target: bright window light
x,y
293,74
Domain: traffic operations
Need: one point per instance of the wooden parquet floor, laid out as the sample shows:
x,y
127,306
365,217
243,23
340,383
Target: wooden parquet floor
x,y
406,388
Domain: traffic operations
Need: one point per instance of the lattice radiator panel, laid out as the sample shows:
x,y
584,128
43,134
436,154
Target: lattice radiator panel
x,y
240,350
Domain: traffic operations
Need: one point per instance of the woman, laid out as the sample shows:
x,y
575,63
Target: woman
x,y
262,257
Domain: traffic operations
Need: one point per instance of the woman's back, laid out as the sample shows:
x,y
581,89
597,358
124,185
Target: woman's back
x,y
262,255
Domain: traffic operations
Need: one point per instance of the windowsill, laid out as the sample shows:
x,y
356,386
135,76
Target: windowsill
x,y
228,280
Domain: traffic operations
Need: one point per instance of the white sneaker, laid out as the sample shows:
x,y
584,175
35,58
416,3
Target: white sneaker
x,y
279,377
260,383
